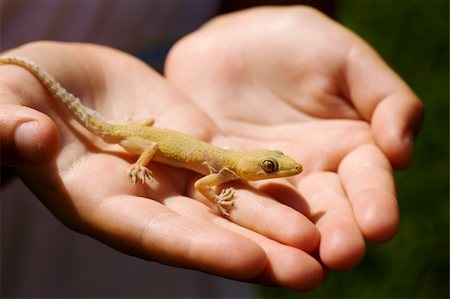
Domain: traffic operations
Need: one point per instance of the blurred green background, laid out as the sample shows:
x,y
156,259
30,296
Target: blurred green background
x,y
413,37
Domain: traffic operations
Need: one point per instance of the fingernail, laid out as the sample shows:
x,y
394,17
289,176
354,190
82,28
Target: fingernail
x,y
408,148
408,140
28,141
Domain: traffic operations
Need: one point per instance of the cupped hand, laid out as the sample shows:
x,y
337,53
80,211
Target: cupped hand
x,y
84,181
292,79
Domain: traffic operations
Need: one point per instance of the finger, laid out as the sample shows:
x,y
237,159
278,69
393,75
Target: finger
x,y
268,217
369,183
286,265
149,230
27,137
385,100
395,124
259,212
341,244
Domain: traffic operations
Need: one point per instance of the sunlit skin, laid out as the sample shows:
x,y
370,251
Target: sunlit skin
x,y
169,146
282,79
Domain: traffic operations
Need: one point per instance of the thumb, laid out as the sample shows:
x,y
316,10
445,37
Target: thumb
x,y
27,136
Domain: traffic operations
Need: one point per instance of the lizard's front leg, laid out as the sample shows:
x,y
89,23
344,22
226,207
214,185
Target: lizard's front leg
x,y
146,149
226,197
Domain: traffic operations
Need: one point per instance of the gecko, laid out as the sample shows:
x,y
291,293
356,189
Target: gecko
x,y
150,143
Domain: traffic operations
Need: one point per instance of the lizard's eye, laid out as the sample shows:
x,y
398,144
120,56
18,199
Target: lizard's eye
x,y
269,166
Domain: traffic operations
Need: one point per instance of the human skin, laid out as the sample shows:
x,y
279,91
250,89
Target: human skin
x,y
297,78
333,122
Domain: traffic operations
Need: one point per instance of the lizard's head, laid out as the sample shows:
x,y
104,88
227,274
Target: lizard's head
x,y
264,164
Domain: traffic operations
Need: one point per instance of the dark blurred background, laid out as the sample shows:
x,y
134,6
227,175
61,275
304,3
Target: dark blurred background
x,y
413,37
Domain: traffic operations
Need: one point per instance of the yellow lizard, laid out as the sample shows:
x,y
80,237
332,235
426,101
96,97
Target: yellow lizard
x,y
171,147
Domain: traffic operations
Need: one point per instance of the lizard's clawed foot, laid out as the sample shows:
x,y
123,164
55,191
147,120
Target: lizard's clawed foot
x,y
225,198
139,172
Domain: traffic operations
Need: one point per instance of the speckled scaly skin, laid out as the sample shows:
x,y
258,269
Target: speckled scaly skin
x,y
171,147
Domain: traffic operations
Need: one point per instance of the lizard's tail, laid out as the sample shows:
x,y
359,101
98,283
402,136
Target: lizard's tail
x,y
87,117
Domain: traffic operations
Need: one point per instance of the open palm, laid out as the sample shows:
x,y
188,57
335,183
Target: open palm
x,y
285,79
87,188
291,79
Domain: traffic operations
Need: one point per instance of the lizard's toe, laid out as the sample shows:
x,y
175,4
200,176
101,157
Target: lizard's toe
x,y
225,199
139,172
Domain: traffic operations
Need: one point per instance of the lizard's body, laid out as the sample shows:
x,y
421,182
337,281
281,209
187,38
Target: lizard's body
x,y
171,147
